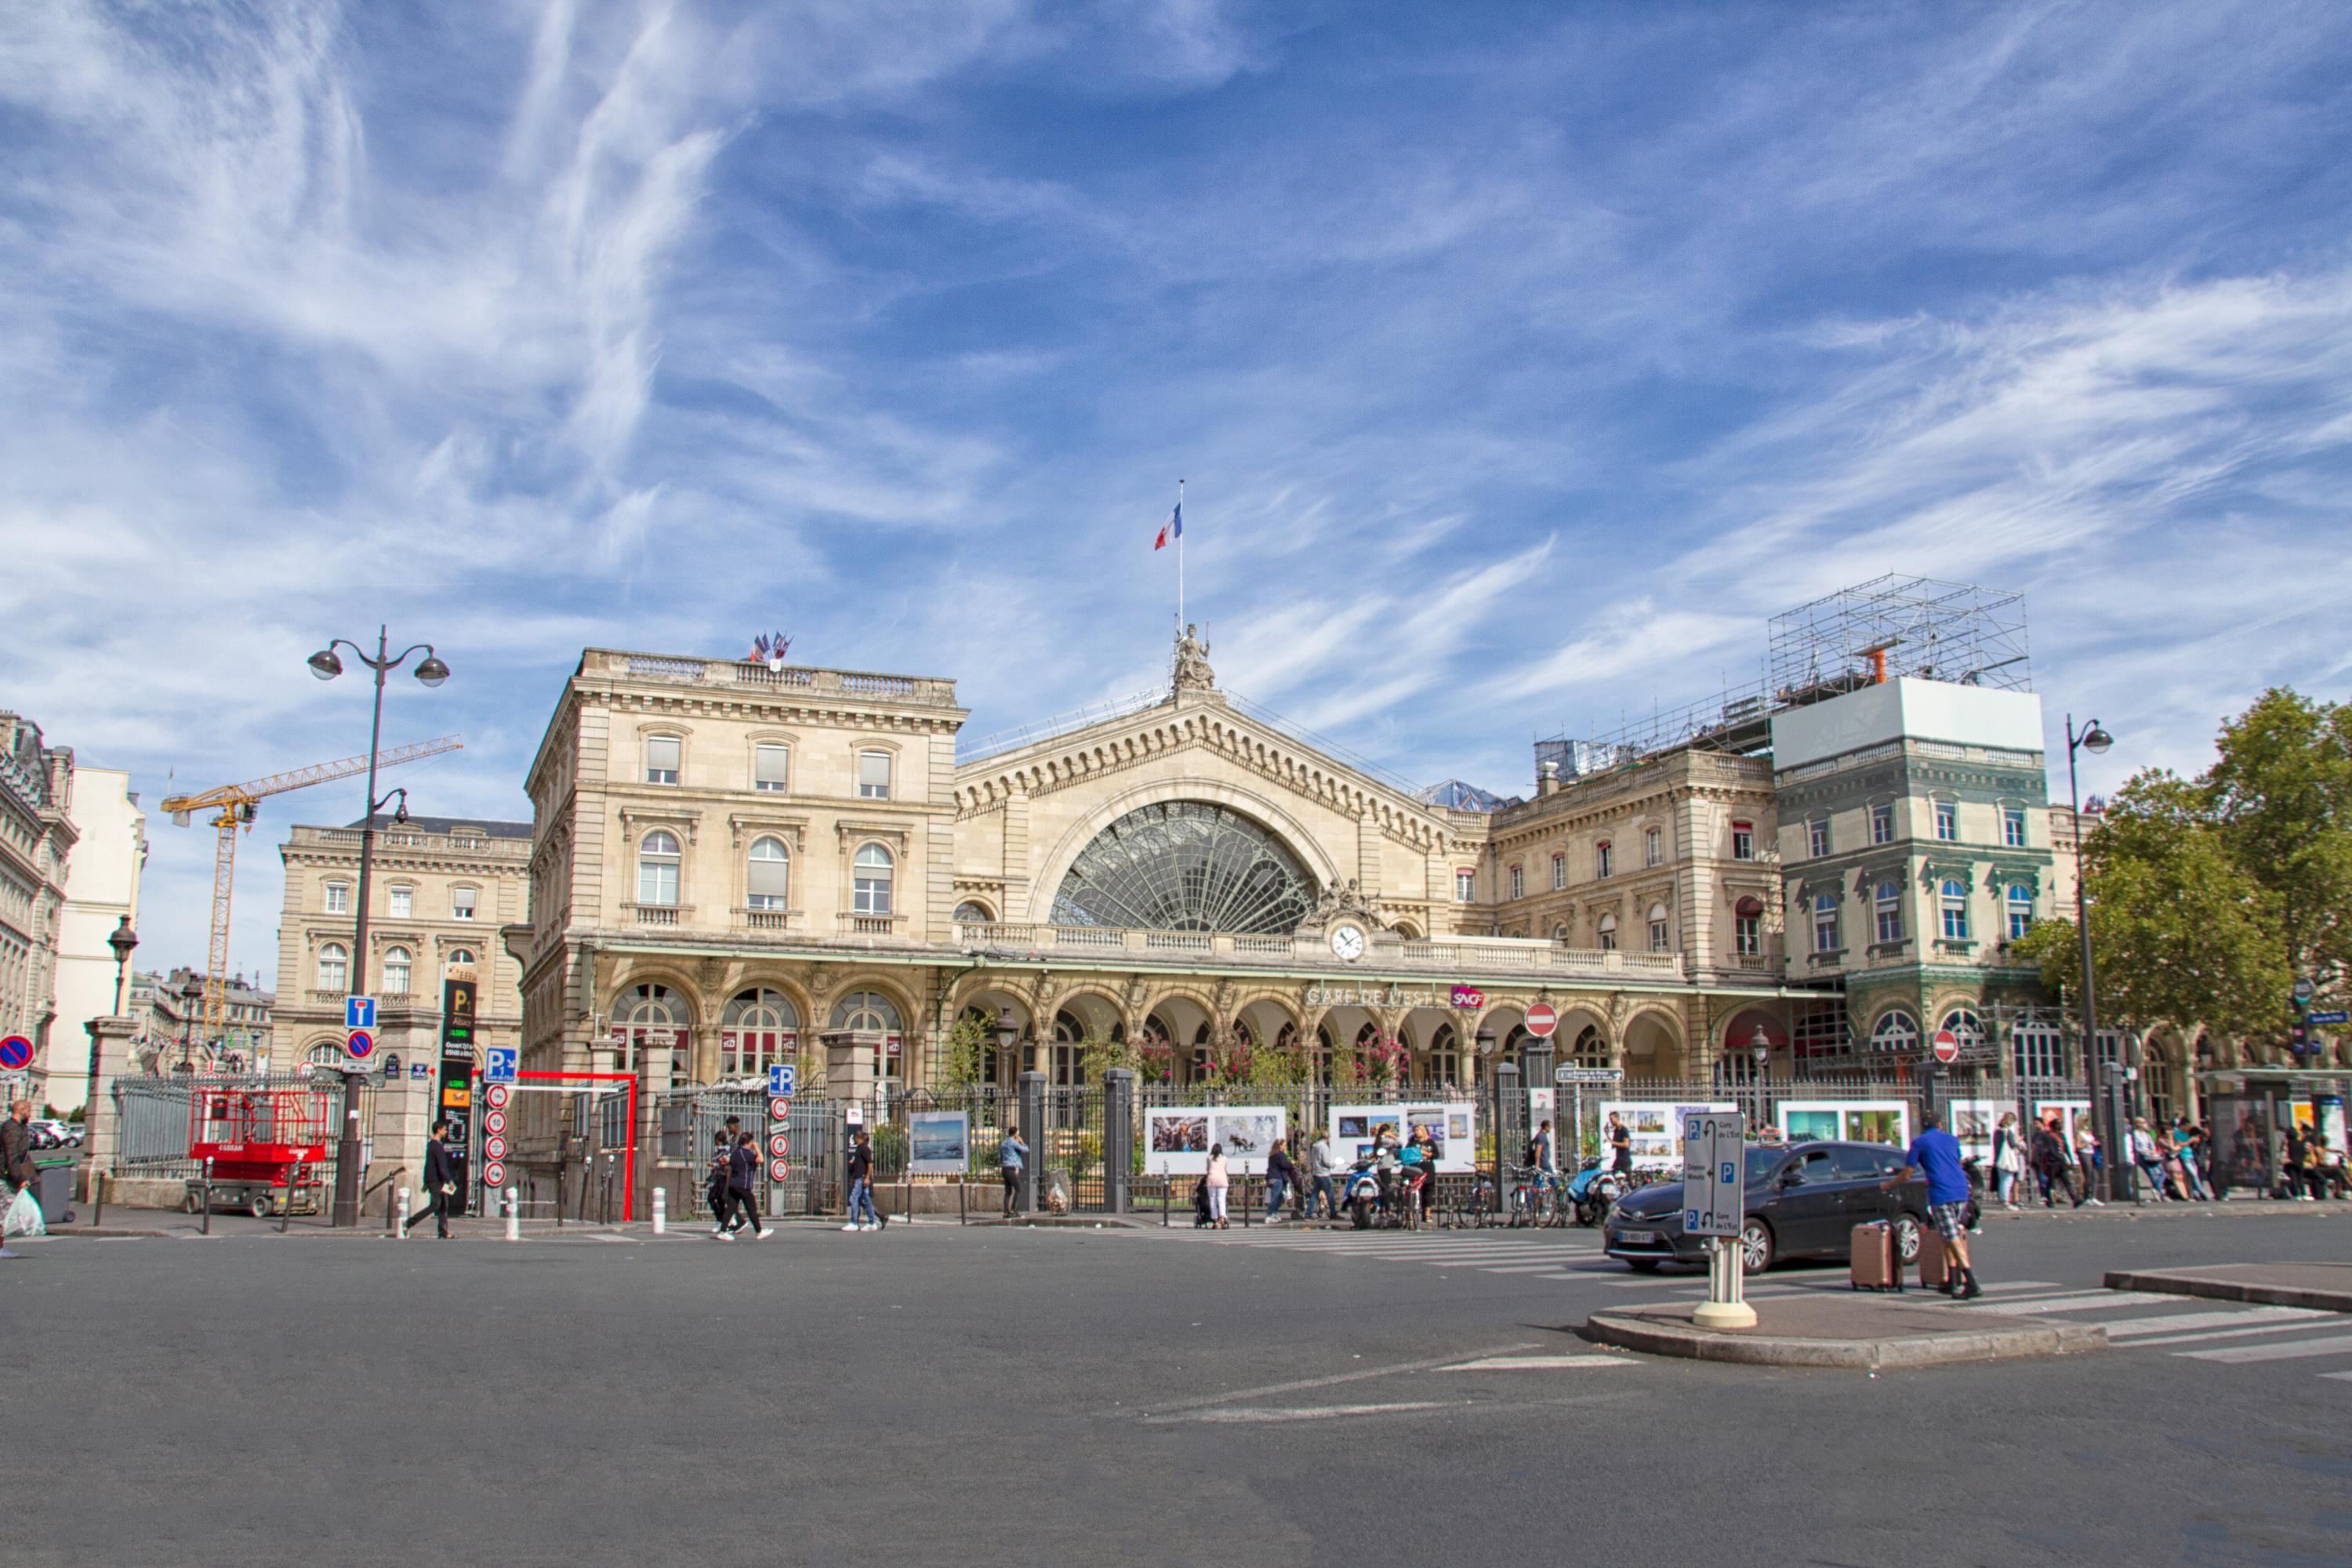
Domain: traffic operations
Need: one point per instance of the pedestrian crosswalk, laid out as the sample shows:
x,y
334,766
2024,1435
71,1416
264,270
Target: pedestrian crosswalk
x,y
1529,1254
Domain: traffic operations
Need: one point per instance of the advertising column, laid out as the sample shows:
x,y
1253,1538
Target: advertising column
x,y
456,1077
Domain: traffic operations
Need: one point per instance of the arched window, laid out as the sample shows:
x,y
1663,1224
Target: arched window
x,y
875,1013
327,1054
1559,932
650,1016
2021,909
1660,938
871,889
1590,1050
1608,929
1896,1032
1889,902
657,864
1825,923
1964,1026
1747,928
971,914
395,970
769,876
459,957
757,1029
1445,1059
1955,900
334,967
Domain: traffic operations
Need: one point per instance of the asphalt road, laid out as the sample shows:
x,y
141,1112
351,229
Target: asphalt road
x,y
996,1397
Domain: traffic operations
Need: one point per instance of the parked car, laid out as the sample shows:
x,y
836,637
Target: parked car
x,y
47,1133
1803,1201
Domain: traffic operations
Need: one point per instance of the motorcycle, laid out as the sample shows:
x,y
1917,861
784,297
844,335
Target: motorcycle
x,y
1592,1190
1376,1195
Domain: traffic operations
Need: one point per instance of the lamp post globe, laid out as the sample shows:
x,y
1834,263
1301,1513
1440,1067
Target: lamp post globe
x,y
122,940
325,665
431,670
2096,741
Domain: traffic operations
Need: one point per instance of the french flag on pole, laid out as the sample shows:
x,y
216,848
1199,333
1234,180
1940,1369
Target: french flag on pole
x,y
1172,529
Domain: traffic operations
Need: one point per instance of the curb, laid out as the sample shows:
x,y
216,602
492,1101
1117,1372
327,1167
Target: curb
x,y
1626,1330
2250,1292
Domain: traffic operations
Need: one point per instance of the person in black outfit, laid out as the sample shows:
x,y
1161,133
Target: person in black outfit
x,y
1621,1146
2053,1165
440,1182
743,1184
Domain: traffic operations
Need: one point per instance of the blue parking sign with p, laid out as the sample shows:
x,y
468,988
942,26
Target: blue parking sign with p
x,y
781,1080
500,1063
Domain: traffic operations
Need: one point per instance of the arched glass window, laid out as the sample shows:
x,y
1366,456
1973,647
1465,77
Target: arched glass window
x,y
1445,1059
2040,1049
1898,1031
1608,929
1887,900
334,967
1955,900
395,970
657,864
769,876
1964,1026
327,1054
1825,923
757,1029
1660,936
1747,928
1186,865
459,957
1590,1050
871,887
873,1012
971,914
1559,932
2021,909
650,1016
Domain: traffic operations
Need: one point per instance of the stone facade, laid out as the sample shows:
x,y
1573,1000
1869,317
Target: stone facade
x,y
36,835
440,890
101,890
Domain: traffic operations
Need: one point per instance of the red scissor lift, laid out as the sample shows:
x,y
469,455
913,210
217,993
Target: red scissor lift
x,y
268,1147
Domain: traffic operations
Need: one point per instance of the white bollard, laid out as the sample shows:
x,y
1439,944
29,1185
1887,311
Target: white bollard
x,y
514,1217
403,1211
661,1210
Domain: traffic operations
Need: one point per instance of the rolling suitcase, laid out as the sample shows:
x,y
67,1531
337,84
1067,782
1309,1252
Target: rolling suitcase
x,y
1873,1263
1934,1273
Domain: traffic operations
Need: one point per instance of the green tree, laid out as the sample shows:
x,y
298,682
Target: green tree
x,y
2281,796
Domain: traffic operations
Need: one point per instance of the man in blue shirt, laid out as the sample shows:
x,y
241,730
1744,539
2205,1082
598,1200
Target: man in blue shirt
x,y
1936,1154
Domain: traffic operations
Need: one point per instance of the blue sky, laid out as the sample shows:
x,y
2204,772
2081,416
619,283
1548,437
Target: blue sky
x,y
1522,360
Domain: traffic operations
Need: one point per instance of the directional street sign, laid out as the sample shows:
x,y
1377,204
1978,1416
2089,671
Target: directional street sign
x,y
15,1051
1587,1075
499,1064
2333,1015
359,1012
781,1077
359,1043
1715,1168
1542,1020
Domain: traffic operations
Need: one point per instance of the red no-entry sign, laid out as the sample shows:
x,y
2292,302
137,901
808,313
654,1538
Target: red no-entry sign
x,y
1947,1046
1542,1020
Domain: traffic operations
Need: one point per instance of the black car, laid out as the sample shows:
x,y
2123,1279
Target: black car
x,y
1803,1201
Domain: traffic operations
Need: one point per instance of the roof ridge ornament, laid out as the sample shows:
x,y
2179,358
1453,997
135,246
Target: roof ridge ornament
x,y
1193,672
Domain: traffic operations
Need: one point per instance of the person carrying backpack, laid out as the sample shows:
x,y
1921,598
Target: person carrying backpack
x,y
861,1186
743,1184
718,1185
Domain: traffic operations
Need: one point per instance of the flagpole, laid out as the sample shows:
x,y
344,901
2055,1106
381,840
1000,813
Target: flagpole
x,y
1180,558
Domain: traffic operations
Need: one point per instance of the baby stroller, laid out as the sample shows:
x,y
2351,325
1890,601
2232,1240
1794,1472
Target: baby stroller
x,y
1200,1204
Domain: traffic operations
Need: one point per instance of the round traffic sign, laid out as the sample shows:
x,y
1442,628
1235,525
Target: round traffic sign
x,y
15,1051
1542,1020
1947,1046
497,1096
779,1170
780,1145
494,1174
359,1044
494,1147
494,1121
777,1110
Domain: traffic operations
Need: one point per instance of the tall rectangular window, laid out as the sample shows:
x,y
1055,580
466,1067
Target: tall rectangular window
x,y
402,902
1748,935
2021,909
771,768
1948,821
1743,841
1817,836
1603,863
1466,886
461,903
1954,901
1653,848
1518,883
2012,826
1889,903
339,897
662,759
874,776
1825,923
1882,824
1559,872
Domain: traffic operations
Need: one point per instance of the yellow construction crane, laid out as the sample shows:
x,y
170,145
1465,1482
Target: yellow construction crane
x,y
236,804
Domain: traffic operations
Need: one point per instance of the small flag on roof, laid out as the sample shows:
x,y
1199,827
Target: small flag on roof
x,y
1172,529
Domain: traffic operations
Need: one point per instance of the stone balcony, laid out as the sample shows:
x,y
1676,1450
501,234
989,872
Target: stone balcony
x,y
1455,955
727,674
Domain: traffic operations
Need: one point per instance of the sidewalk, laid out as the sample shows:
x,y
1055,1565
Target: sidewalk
x,y
1855,1331
2319,1287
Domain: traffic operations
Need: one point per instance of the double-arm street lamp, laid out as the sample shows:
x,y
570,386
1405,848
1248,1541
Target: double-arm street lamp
x,y
2105,1112
326,667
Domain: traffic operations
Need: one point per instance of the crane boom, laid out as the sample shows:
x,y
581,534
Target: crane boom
x,y
236,804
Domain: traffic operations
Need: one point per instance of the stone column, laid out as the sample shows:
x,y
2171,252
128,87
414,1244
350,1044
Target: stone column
x,y
1033,1132
1119,1138
110,1059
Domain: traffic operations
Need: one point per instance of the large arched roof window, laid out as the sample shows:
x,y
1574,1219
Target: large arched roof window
x,y
1185,866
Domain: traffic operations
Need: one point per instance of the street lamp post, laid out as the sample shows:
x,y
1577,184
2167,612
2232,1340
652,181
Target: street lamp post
x,y
2091,737
121,938
431,671
1759,1046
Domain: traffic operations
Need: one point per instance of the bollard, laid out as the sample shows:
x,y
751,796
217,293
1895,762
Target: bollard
x,y
661,1211
401,1230
293,1185
208,1197
514,1217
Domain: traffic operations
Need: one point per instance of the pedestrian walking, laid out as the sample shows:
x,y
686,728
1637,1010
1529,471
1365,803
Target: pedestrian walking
x,y
440,1182
2148,1157
2290,1167
2189,1144
2090,1162
861,1186
2054,1168
743,1185
1012,1154
1936,1154
2008,1160
17,1172
1282,1179
1322,1167
1216,1182
718,1185
1621,1147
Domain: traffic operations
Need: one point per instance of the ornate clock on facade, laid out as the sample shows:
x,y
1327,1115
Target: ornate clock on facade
x,y
1348,940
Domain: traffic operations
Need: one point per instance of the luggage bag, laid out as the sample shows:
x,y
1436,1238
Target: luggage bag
x,y
1873,1264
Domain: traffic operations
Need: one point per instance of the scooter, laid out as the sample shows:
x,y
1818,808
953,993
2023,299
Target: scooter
x,y
1376,1195
1592,1190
